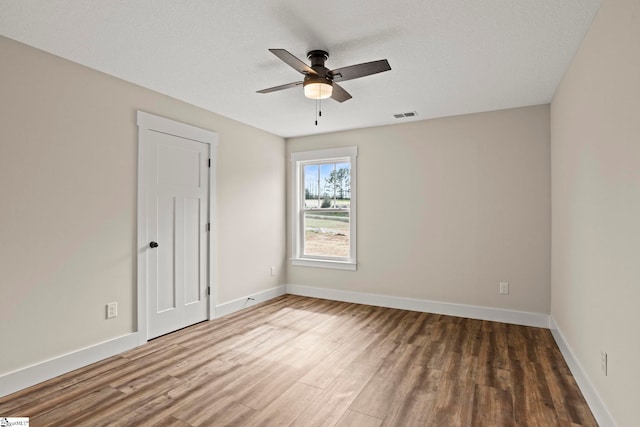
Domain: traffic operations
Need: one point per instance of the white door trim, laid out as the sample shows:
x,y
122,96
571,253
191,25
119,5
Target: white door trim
x,y
149,122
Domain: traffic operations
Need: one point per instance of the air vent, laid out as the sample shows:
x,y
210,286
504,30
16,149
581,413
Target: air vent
x,y
403,115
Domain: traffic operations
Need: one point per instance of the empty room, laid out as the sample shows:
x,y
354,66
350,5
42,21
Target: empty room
x,y
415,213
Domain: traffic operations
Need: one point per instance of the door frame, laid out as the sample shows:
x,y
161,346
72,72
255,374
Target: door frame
x,y
151,123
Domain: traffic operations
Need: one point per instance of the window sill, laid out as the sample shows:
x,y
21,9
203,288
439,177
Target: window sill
x,y
323,263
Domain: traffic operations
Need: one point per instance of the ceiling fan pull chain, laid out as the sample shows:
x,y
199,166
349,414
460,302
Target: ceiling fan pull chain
x,y
316,112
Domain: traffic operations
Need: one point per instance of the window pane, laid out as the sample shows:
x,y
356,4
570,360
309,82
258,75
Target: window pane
x,y
327,185
342,180
312,188
326,172
326,234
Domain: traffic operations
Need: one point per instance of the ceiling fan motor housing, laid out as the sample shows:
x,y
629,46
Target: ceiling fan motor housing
x,y
310,78
317,59
323,76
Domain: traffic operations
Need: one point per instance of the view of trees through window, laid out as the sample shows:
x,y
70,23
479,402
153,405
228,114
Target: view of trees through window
x,y
327,198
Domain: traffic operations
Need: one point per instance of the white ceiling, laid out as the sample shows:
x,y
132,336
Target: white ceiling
x,y
448,57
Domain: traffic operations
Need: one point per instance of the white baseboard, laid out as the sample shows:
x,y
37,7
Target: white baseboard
x,y
597,406
34,374
539,320
248,301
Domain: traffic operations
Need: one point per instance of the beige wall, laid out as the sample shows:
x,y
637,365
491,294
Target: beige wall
x,y
68,165
595,128
448,208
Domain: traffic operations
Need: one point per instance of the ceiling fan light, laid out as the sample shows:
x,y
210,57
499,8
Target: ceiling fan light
x,y
317,90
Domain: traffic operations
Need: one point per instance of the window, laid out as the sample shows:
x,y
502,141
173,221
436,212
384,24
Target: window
x,y
323,189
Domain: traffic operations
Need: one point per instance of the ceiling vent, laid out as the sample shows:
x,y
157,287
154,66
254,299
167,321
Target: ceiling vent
x,y
403,115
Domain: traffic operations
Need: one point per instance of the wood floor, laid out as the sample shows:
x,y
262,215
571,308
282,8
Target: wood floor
x,y
297,361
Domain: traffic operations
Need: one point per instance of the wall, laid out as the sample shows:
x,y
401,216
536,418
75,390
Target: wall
x,y
448,208
595,128
68,174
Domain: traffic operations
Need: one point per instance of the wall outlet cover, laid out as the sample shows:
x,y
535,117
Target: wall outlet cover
x,y
504,288
603,362
112,310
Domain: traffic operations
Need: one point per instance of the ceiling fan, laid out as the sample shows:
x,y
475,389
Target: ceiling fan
x,y
319,82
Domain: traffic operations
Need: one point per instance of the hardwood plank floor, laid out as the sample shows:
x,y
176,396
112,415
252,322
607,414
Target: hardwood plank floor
x,y
309,362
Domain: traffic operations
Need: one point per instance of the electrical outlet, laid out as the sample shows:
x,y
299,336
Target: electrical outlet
x,y
504,288
112,310
603,362
273,271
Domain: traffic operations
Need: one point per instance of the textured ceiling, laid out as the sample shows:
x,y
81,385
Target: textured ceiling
x,y
448,57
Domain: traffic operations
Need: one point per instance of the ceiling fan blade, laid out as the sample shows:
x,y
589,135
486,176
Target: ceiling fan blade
x,y
292,61
281,87
339,94
360,70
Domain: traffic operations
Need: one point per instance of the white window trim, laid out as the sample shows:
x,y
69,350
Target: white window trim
x,y
297,193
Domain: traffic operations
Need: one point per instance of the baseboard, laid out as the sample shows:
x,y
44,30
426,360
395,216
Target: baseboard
x,y
248,301
539,320
34,374
597,406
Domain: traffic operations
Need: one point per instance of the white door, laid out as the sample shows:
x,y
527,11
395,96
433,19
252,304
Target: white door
x,y
177,217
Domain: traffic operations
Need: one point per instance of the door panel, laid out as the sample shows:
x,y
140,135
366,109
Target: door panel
x,y
178,202
162,276
192,271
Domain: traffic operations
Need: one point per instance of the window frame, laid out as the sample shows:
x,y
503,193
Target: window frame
x,y
298,161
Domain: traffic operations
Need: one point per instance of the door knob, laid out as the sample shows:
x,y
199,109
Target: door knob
x,y
153,244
